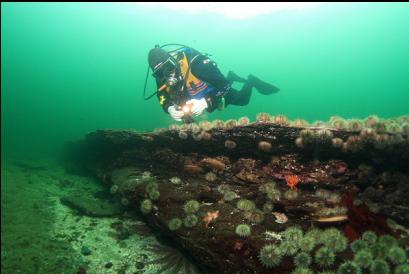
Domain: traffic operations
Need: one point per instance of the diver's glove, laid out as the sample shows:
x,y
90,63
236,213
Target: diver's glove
x,y
198,106
176,114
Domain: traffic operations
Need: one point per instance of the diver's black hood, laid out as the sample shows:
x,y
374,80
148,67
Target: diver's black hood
x,y
157,56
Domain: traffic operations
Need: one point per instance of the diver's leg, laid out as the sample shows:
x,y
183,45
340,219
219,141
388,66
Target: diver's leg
x,y
239,98
261,86
233,77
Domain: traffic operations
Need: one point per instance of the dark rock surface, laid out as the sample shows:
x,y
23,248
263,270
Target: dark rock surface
x,y
296,177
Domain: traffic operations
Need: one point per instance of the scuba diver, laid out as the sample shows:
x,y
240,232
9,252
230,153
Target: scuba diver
x,y
189,82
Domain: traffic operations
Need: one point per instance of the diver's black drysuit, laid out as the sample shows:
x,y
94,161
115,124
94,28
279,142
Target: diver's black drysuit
x,y
206,70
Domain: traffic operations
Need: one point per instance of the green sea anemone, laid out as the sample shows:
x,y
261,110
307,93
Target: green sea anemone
x,y
270,256
244,204
302,270
307,243
124,201
151,186
191,206
274,194
380,267
268,207
397,255
146,206
154,195
230,195
324,257
291,194
363,258
302,259
402,269
255,216
243,230
349,267
267,187
358,245
223,188
114,189
174,224
190,220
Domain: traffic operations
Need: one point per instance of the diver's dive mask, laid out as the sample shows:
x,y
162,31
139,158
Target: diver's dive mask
x,y
165,69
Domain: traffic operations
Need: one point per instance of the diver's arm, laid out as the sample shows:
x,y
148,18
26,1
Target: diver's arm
x,y
207,70
163,97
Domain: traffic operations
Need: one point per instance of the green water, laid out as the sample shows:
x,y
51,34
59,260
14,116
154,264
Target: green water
x,y
68,69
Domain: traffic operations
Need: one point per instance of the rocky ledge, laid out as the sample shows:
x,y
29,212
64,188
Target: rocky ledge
x,y
273,196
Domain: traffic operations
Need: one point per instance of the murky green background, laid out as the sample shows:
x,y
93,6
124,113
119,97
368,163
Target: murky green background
x,y
71,68
68,69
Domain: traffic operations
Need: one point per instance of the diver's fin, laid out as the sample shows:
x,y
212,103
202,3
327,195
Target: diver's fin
x,y
261,86
233,77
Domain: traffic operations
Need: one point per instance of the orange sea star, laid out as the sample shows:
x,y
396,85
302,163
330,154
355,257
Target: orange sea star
x,y
210,217
292,181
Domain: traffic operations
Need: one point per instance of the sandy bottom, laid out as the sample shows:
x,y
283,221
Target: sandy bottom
x,y
41,235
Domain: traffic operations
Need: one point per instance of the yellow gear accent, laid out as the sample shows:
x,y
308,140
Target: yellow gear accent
x,y
191,78
162,99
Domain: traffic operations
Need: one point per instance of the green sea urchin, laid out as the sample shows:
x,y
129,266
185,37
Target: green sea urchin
x,y
363,258
358,245
289,248
293,234
397,255
302,259
380,267
307,243
402,269
334,239
324,257
270,256
369,237
302,270
349,267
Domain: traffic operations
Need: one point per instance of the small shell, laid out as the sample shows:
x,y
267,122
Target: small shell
x,y
281,218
